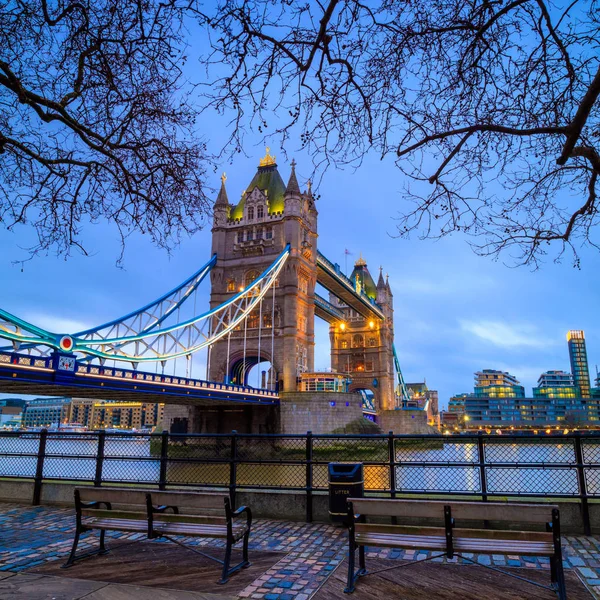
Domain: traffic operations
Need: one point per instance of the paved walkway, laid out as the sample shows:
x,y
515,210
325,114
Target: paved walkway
x,y
31,536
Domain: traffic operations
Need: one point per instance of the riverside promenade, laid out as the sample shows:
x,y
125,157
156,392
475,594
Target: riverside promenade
x,y
290,561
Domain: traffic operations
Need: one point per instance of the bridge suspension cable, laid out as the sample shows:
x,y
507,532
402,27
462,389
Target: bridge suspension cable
x,y
143,336
402,390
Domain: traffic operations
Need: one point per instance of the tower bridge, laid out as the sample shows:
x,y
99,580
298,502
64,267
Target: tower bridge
x,y
264,273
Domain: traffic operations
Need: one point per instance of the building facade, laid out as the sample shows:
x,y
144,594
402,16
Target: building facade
x,y
497,384
44,412
361,348
247,237
556,384
540,411
579,361
103,414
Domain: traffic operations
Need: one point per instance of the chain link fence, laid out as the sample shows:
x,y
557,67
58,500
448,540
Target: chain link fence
x,y
482,466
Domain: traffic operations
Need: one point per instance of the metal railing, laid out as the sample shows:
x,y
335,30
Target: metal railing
x,y
481,467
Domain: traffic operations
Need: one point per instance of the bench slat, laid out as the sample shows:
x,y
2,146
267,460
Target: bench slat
x,y
113,495
101,513
434,542
195,500
399,508
492,534
503,511
430,509
424,542
520,547
117,524
197,519
189,529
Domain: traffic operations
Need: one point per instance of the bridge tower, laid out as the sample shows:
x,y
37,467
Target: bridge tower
x,y
362,347
247,237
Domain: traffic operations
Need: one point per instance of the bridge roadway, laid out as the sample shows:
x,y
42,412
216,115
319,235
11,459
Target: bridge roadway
x,y
330,276
35,375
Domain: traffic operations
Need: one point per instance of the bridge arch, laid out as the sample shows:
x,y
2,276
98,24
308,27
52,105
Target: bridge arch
x,y
369,397
242,369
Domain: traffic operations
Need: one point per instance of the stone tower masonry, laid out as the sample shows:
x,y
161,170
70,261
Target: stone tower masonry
x,y
247,237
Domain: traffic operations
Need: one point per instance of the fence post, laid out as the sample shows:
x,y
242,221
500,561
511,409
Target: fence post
x,y
233,468
585,511
392,458
39,470
309,477
482,473
100,458
164,449
392,461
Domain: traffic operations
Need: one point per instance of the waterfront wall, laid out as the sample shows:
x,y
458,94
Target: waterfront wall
x,y
298,412
319,412
279,504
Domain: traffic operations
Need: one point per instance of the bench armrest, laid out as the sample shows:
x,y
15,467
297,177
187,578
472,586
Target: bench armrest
x,y
165,508
96,504
241,510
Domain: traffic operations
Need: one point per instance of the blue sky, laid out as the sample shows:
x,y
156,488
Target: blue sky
x,y
455,313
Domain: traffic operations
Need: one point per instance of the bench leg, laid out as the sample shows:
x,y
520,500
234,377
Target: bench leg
x,y
560,576
226,562
245,561
103,549
71,558
362,568
351,578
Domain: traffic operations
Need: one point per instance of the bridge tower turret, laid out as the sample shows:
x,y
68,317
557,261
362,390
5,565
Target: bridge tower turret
x,y
362,347
247,238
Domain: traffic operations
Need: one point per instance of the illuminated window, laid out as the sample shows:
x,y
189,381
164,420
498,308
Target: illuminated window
x,y
268,320
260,212
250,213
358,341
344,344
253,321
303,284
231,285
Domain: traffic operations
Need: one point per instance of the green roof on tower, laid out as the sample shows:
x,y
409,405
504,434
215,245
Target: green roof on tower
x,y
268,180
362,279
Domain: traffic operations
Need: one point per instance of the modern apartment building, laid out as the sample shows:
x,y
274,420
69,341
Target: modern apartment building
x,y
43,412
497,384
579,361
556,384
538,411
102,414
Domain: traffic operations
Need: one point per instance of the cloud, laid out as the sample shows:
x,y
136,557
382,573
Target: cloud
x,y
505,335
57,324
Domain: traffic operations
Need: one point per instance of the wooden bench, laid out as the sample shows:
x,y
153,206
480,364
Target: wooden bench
x,y
450,540
147,511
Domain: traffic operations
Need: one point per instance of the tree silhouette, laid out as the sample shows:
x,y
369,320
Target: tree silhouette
x,y
94,120
490,108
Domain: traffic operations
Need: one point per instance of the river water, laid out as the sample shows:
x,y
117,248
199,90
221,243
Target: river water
x,y
538,467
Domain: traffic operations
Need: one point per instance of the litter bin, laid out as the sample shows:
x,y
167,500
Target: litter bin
x,y
345,481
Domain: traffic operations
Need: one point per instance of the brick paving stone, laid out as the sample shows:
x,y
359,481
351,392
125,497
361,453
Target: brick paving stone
x,y
312,551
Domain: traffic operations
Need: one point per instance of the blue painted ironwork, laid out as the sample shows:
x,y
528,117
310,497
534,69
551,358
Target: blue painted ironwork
x,y
402,390
144,340
329,308
335,271
19,369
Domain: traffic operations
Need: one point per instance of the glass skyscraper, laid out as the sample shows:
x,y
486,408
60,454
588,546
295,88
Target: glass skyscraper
x,y
579,361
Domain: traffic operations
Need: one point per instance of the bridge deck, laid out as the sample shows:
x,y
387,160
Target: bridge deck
x,y
332,279
24,374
